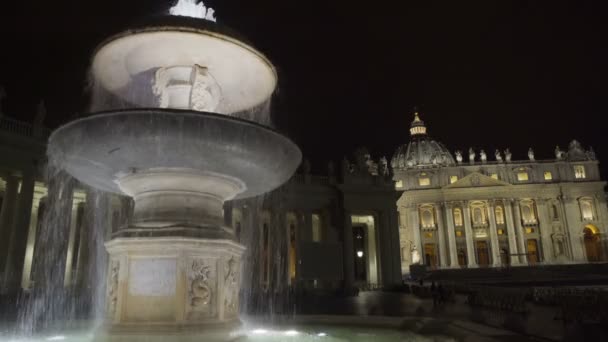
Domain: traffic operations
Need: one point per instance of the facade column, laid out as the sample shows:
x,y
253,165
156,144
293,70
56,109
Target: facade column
x,y
69,277
545,230
18,239
31,242
6,220
415,224
441,234
575,229
494,235
390,253
519,230
348,251
511,233
393,216
469,236
451,235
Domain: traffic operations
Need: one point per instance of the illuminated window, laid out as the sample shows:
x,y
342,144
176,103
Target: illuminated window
x,y
529,230
500,231
424,180
494,176
316,228
427,218
548,175
457,217
453,179
500,217
579,172
522,176
428,235
399,184
527,212
587,209
459,233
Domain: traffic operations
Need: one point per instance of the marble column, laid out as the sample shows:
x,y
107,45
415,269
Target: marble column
x,y
451,235
545,230
441,235
496,262
73,243
6,219
31,243
469,236
396,243
348,253
18,239
415,224
519,231
575,229
514,260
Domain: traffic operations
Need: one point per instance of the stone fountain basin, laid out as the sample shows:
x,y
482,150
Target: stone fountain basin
x,y
99,149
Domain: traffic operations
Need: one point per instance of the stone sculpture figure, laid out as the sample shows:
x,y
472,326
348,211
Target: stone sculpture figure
x,y
231,284
483,156
498,156
531,154
559,154
591,153
200,291
113,287
459,157
471,155
384,166
508,155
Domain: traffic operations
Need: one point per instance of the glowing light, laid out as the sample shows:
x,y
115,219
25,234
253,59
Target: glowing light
x,y
291,333
56,338
321,334
360,254
194,9
259,331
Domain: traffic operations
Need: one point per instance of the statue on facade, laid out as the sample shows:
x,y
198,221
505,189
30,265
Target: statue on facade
x,y
483,156
591,153
531,154
384,166
458,156
471,155
39,119
498,156
559,154
507,155
2,97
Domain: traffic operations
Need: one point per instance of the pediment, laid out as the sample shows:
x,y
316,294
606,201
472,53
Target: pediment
x,y
475,180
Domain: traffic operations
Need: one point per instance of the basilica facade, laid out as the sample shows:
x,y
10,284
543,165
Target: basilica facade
x,y
477,211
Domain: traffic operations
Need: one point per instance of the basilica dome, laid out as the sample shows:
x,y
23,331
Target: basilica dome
x,y
421,151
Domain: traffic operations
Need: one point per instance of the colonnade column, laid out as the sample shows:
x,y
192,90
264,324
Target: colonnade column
x,y
469,236
520,233
441,232
451,235
545,230
6,219
31,243
494,235
391,259
73,243
575,229
18,239
511,233
348,250
415,224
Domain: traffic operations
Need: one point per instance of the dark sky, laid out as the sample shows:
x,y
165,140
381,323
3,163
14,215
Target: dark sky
x,y
487,74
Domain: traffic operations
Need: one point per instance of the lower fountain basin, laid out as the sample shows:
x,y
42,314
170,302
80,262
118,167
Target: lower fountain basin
x,y
101,149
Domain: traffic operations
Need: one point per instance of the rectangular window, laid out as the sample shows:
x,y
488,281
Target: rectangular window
x,y
529,230
316,228
548,175
428,235
453,179
579,172
459,233
501,231
399,184
494,176
424,181
522,176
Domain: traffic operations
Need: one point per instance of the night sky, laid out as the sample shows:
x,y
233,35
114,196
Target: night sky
x,y
487,74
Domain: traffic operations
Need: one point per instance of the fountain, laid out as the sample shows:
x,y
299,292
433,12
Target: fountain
x,y
170,134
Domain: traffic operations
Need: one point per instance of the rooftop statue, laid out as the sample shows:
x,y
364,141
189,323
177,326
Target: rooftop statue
x,y
591,153
498,156
193,8
531,154
483,156
458,156
384,166
471,155
559,154
507,155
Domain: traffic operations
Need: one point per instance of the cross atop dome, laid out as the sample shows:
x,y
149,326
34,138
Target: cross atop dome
x,y
417,128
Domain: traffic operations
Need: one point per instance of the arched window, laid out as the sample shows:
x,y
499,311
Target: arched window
x,y
477,216
587,209
427,217
527,212
457,217
554,212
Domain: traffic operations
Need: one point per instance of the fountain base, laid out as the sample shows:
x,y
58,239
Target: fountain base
x,y
173,284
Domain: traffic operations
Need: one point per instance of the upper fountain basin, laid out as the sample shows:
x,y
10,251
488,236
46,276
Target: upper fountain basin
x,y
125,64
100,149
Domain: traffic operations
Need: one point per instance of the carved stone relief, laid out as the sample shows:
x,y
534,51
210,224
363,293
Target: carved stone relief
x,y
231,285
202,280
113,288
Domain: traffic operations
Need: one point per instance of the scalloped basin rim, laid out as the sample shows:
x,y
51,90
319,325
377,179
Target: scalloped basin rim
x,y
97,148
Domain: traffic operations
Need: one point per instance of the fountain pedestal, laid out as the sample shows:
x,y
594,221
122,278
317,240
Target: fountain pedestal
x,y
173,284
